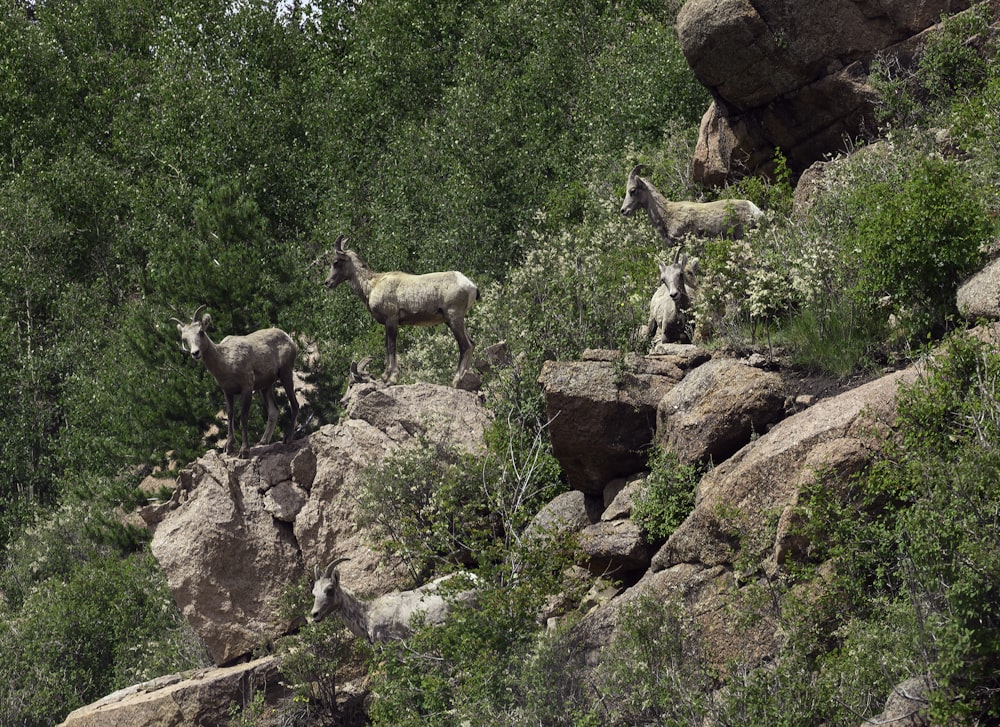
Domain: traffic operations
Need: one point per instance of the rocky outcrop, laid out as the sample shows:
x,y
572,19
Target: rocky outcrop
x,y
733,516
238,534
227,559
791,75
202,697
907,705
979,296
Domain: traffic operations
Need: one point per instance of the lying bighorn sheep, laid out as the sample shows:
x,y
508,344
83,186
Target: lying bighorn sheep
x,y
396,299
242,365
674,220
668,321
384,618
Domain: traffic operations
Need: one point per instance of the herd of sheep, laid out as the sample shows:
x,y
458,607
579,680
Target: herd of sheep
x,y
242,365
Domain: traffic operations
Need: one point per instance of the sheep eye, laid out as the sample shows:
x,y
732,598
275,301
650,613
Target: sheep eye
x,y
330,590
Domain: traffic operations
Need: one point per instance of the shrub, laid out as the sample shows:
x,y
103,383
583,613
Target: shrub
x,y
655,671
916,243
469,670
425,505
584,286
668,495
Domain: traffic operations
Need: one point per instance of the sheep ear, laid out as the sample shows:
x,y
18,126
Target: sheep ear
x,y
663,267
694,266
316,572
206,322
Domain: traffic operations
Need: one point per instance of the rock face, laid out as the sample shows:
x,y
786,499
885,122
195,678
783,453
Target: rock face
x,y
790,75
979,296
226,558
239,533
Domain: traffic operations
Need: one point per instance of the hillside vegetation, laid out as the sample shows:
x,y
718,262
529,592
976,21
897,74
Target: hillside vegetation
x,y
161,156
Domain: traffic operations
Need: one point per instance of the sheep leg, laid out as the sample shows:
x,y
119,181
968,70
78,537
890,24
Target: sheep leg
x,y
465,347
391,374
246,398
267,394
231,438
293,403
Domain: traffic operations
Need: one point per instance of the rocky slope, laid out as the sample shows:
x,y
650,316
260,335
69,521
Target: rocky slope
x,y
237,533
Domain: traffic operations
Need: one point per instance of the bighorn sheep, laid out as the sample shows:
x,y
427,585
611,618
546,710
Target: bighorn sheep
x,y
675,220
242,365
384,618
396,299
668,322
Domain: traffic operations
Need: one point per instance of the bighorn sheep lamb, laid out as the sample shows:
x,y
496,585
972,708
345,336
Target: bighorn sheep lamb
x,y
384,618
668,321
242,365
675,220
396,299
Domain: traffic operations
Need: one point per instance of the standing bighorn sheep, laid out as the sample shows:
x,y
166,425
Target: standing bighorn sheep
x,y
384,618
668,319
242,365
675,220
396,299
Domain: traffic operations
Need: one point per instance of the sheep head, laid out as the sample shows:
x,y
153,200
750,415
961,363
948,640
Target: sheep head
x,y
358,375
636,192
342,267
327,596
678,277
193,334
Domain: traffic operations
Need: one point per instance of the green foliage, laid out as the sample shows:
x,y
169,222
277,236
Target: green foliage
x,y
578,288
915,542
655,671
667,497
470,668
951,69
954,61
84,614
869,274
917,241
313,661
426,506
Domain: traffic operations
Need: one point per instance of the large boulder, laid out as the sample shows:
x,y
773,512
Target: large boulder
x,y
603,410
764,477
201,697
378,424
227,560
979,296
791,75
718,408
